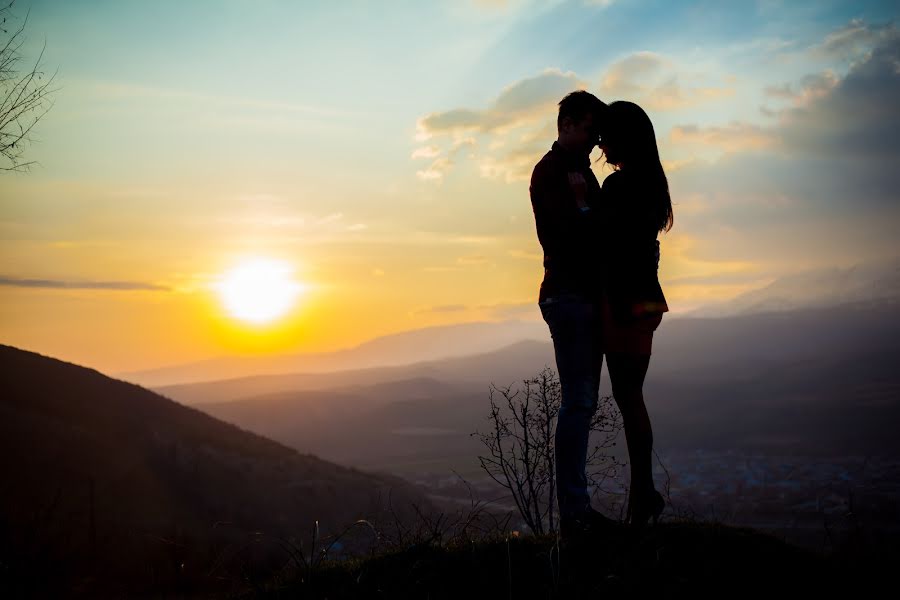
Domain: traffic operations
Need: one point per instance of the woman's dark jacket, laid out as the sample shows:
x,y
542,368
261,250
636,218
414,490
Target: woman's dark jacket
x,y
629,248
610,246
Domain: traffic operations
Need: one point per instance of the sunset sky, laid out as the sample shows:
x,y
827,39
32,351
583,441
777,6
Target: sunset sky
x,y
382,150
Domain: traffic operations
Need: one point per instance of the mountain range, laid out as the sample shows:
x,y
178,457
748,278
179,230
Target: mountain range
x,y
818,381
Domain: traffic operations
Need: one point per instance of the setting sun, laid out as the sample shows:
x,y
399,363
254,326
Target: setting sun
x,y
259,290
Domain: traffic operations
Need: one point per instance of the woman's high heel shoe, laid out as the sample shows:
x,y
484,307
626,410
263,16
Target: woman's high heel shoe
x,y
644,507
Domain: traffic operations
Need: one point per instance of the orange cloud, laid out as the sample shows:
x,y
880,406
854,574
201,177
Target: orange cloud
x,y
733,137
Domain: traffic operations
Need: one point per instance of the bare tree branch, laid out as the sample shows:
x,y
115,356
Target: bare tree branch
x,y
521,450
25,96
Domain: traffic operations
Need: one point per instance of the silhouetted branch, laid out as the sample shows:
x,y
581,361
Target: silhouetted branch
x,y
24,95
521,451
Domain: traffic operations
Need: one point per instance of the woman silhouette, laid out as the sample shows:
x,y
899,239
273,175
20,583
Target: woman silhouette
x,y
636,206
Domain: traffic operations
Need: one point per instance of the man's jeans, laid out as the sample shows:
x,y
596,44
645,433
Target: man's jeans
x,y
574,324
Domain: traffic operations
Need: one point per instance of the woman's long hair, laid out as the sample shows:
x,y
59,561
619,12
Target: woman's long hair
x,y
629,144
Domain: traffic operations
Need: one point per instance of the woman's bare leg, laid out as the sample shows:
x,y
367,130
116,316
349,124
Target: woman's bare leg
x,y
626,374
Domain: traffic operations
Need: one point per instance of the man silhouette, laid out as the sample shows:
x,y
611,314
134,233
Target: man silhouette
x,y
564,193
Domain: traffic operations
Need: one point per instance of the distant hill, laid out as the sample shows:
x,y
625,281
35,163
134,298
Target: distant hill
x,y
815,381
93,465
507,364
711,348
874,281
430,343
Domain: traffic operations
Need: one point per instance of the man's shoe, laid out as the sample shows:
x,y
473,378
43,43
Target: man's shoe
x,y
587,523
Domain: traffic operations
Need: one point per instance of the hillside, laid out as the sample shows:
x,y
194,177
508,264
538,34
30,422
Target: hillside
x,y
103,468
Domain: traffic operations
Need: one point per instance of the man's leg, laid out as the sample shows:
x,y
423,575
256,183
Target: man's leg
x,y
573,325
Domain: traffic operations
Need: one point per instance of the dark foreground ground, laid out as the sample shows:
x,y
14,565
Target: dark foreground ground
x,y
675,559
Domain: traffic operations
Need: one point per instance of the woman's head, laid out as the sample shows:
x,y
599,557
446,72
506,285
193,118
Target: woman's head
x,y
627,136
629,144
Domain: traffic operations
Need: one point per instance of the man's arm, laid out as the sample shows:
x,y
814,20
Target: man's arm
x,y
546,204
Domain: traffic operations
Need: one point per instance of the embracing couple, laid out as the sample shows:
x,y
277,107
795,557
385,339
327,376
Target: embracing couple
x,y
600,295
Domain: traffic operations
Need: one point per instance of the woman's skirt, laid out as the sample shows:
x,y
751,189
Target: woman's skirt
x,y
632,338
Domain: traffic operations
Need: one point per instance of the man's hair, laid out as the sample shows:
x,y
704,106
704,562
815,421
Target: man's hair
x,y
577,105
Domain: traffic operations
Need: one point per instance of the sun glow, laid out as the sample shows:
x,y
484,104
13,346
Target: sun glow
x,y
259,290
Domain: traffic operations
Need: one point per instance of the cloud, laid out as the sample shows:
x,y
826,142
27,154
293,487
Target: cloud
x,y
526,255
623,74
497,311
442,164
440,269
855,39
511,310
270,219
515,165
455,120
519,103
719,279
856,117
435,171
652,80
426,152
262,220
811,87
528,107
265,211
459,144
733,137
675,164
461,263
330,218
82,285
851,118
815,187
477,259
445,308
